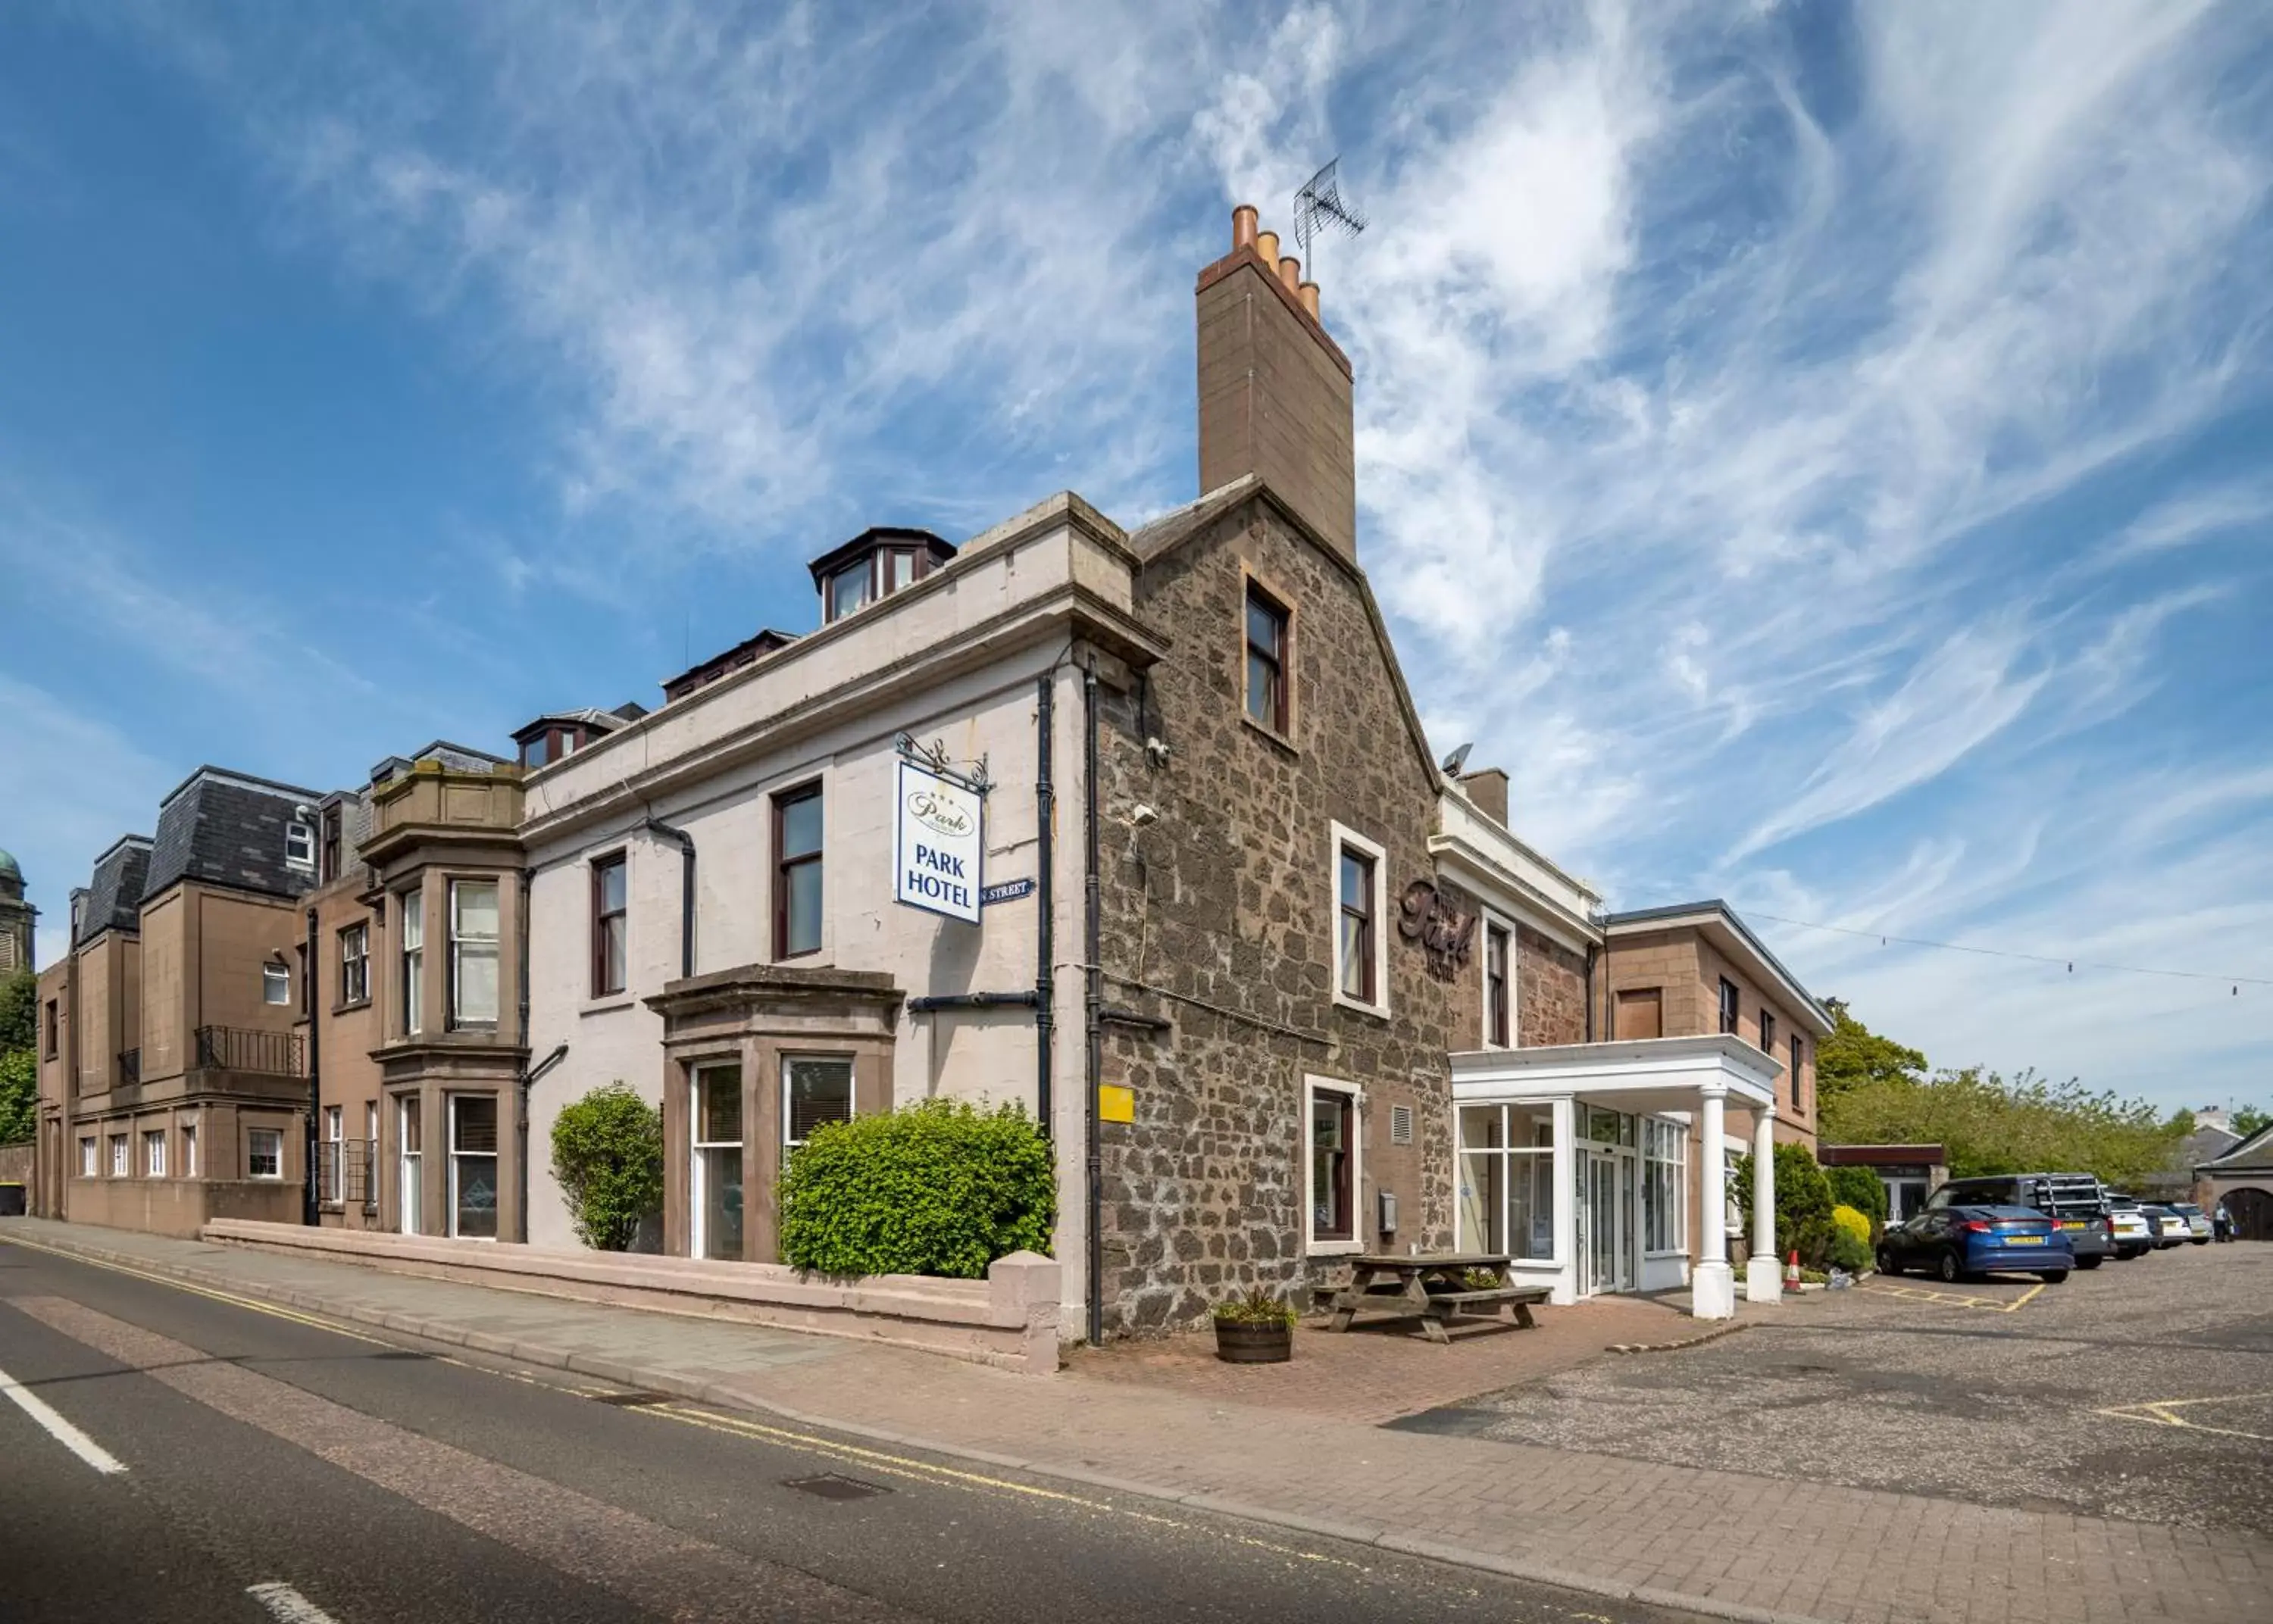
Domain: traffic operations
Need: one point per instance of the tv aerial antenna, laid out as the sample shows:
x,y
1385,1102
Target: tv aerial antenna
x,y
1320,208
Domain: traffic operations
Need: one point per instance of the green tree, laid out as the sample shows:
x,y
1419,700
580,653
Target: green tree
x,y
1860,1188
1992,1124
19,1095
1803,1202
1853,1055
2247,1120
20,1010
607,1153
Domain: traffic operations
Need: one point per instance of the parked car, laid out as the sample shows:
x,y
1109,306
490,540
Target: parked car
x,y
2135,1237
2075,1201
2198,1224
1955,1241
2169,1228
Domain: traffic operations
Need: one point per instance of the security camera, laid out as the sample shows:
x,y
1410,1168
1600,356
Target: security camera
x,y
1143,816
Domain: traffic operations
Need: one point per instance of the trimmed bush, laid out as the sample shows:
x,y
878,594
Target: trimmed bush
x,y
1848,1251
935,1188
1850,1222
1862,1189
1803,1202
607,1153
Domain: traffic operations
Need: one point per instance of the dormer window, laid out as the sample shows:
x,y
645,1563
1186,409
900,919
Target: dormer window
x,y
874,564
299,845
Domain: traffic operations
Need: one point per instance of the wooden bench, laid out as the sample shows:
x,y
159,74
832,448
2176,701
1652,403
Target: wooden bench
x,y
1433,1290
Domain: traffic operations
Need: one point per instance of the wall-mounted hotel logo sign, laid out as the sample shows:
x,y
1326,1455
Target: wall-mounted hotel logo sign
x,y
939,837
1444,932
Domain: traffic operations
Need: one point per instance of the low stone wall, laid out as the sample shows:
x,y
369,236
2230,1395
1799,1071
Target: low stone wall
x,y
16,1164
177,1206
1008,1320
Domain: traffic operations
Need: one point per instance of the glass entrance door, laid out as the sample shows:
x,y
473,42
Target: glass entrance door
x,y
1606,1192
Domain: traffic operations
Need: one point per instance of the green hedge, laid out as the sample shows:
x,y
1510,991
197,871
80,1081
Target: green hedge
x,y
1860,1188
1803,1203
936,1188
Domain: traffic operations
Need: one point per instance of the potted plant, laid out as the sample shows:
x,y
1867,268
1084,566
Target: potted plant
x,y
1257,1329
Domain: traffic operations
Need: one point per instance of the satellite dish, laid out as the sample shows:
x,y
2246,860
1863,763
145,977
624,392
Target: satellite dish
x,y
1459,759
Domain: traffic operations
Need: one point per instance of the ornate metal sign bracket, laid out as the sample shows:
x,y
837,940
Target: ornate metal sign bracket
x,y
932,758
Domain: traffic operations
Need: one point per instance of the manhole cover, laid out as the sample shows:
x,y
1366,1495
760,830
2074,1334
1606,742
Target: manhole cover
x,y
833,1485
630,1401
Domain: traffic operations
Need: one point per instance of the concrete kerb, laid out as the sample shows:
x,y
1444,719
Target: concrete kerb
x,y
726,1398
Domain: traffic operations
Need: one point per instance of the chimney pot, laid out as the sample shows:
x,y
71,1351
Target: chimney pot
x,y
1266,243
1309,292
1290,272
1243,223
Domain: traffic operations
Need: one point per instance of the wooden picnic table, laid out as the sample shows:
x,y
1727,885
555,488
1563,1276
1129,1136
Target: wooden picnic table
x,y
1432,1287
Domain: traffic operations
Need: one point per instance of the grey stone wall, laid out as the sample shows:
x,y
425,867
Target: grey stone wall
x,y
1218,918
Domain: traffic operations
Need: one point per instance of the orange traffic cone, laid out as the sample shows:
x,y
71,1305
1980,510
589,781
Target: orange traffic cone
x,y
1791,1268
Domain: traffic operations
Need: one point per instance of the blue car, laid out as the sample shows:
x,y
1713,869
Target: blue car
x,y
1954,1242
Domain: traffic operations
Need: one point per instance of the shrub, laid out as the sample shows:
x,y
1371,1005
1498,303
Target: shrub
x,y
936,1188
1850,1222
1862,1189
1258,1307
1848,1250
1803,1202
607,1153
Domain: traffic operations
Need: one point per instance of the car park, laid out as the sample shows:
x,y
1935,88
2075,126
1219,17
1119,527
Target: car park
x,y
2075,1202
2133,1236
1951,1242
2199,1229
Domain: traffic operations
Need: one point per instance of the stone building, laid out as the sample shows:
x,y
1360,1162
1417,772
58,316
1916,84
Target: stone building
x,y
17,919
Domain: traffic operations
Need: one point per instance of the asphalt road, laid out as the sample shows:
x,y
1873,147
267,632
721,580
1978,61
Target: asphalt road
x,y
273,1466
2140,1390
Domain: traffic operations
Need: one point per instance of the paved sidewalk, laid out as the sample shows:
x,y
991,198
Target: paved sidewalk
x,y
1719,1542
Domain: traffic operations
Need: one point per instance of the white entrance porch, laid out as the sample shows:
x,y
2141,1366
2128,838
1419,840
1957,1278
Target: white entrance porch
x,y
1600,1167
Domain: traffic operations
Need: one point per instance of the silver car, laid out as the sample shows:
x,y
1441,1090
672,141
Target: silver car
x,y
2199,1228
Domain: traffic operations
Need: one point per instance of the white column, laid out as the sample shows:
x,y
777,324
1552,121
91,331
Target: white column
x,y
1713,1287
1763,1274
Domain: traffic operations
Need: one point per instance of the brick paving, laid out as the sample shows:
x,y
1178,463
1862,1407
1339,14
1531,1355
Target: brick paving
x,y
1718,1541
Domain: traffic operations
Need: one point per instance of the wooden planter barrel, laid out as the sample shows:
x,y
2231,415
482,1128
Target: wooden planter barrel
x,y
1253,1344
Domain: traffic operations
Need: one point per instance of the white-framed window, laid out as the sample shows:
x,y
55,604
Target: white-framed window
x,y
1333,1167
153,1153
189,1149
276,984
1506,1181
715,1170
413,964
88,1165
1664,1186
121,1165
815,1088
1360,890
300,845
474,1166
473,952
264,1152
410,1172
1499,983
335,1132
355,964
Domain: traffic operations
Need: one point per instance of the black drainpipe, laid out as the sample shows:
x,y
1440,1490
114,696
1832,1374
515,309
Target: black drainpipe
x,y
1092,1012
1590,951
307,980
686,891
1044,976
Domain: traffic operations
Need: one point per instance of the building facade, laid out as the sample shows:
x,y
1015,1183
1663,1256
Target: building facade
x,y
18,918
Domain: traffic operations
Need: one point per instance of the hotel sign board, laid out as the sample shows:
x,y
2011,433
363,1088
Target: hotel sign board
x,y
939,839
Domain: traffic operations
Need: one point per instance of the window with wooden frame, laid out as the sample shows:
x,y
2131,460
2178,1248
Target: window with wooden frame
x,y
610,926
1797,1102
1728,1004
355,966
412,914
798,842
328,869
1268,646
1333,1179
1768,1031
1360,911
1499,1013
52,1044
474,940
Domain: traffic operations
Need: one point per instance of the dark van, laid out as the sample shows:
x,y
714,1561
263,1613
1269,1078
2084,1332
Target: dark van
x,y
2076,1202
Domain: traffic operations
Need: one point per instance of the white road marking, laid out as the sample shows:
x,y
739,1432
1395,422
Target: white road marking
x,y
64,1432
288,1604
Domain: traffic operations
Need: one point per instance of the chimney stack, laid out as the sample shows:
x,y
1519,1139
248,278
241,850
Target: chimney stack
x,y
1274,387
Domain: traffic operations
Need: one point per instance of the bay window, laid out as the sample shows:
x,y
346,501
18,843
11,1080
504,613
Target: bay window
x,y
815,1088
264,1152
716,1169
473,1166
473,954
414,962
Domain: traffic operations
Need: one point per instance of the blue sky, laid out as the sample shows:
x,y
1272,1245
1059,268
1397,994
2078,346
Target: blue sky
x,y
1821,454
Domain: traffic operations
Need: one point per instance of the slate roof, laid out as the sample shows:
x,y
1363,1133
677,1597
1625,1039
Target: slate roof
x,y
457,757
225,828
113,897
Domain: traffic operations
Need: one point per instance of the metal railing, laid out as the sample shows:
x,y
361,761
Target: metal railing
x,y
346,1173
271,1054
130,1065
